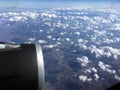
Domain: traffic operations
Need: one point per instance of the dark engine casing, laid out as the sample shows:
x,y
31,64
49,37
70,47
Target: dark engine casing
x,y
21,67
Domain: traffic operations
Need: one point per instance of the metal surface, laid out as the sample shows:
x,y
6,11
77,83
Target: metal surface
x,y
40,66
21,67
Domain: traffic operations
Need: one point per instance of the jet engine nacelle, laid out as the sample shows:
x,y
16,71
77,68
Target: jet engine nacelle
x,y
21,67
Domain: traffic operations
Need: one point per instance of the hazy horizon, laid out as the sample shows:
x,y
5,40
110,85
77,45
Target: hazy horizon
x,y
58,3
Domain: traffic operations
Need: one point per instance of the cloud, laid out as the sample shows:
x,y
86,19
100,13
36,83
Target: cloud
x,y
96,77
117,77
90,70
105,51
106,67
116,26
83,78
77,33
32,39
49,15
83,60
67,39
94,69
50,46
18,18
42,41
49,36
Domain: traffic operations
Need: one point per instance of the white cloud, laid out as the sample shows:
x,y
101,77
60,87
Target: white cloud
x,y
83,46
77,33
50,15
107,40
117,77
63,33
33,15
32,39
83,78
89,79
96,76
71,42
41,30
83,60
87,70
18,18
94,69
50,46
49,37
42,41
102,65
58,43
90,70
105,51
58,39
80,40
100,33
116,26
67,39
106,67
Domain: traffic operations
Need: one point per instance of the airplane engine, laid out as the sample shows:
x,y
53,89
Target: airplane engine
x,y
21,67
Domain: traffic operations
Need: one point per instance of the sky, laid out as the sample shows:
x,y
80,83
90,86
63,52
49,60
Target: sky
x,y
59,3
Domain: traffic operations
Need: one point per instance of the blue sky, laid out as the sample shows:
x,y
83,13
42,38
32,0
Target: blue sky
x,y
59,3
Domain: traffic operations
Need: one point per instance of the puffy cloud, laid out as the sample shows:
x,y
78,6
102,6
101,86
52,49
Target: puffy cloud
x,y
18,18
106,67
83,60
67,39
30,14
49,37
42,41
114,51
50,15
107,40
98,52
117,77
63,33
90,70
117,39
22,16
83,78
116,26
41,30
113,17
96,76
89,79
83,46
98,18
32,39
58,43
94,69
71,42
77,33
50,46
99,33
102,65
105,51
80,40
